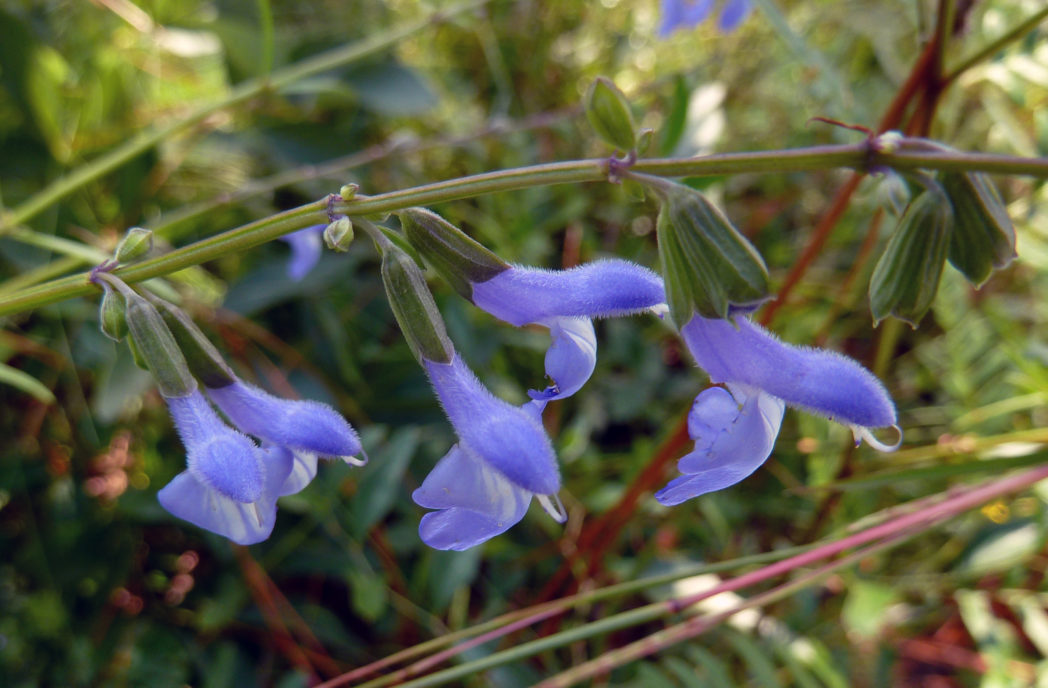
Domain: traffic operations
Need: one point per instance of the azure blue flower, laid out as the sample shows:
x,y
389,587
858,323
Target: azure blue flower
x,y
734,429
484,485
678,14
735,435
306,247
564,301
230,485
307,429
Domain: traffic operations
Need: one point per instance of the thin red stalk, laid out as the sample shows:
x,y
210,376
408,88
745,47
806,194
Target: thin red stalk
x,y
918,77
886,533
948,507
545,612
278,631
597,536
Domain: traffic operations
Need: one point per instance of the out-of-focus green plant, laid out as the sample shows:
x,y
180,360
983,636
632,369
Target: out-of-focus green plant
x,y
192,118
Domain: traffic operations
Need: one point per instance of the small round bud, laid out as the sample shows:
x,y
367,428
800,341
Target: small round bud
x,y
348,191
339,234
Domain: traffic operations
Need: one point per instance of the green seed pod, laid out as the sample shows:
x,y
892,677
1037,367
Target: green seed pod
x,y
135,244
983,237
708,265
414,308
111,318
339,234
459,259
906,277
609,114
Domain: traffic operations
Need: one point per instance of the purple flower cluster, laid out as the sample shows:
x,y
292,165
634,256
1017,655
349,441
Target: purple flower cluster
x,y
231,484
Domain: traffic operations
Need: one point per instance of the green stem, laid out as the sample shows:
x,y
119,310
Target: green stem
x,y
145,140
997,45
856,156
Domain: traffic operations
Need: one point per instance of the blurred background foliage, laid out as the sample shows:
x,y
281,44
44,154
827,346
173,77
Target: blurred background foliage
x,y
100,586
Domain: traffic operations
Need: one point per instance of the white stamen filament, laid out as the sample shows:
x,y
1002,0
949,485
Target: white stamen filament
x,y
552,505
862,433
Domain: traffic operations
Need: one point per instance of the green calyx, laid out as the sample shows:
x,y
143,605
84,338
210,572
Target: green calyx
x,y
983,237
458,258
154,345
111,318
906,277
414,308
204,360
708,265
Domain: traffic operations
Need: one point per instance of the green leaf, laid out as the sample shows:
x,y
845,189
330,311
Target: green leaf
x,y
865,607
392,89
757,659
27,383
673,126
380,481
1000,547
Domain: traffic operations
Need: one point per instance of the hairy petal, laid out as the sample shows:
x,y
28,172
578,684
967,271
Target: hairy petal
x,y
303,470
301,425
216,454
475,501
815,380
734,431
507,438
570,359
604,288
244,523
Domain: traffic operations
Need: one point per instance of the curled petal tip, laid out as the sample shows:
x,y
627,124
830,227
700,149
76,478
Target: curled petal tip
x,y
861,433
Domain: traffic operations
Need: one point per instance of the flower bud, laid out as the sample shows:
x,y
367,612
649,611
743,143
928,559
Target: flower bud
x,y
135,244
414,308
111,319
609,114
204,360
347,191
709,267
157,347
906,277
983,237
339,234
459,259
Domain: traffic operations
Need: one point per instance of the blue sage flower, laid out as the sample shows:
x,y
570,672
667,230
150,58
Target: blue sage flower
x,y
565,301
686,14
735,428
306,247
230,485
307,429
484,484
